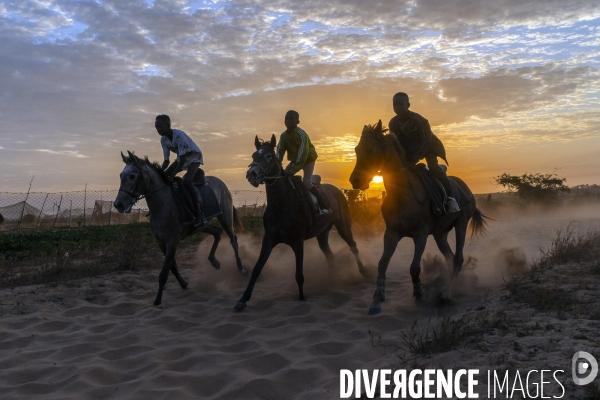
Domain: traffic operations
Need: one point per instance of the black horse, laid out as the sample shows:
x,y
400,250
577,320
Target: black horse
x,y
284,220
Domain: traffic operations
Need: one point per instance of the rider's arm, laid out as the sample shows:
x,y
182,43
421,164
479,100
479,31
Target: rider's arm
x,y
165,164
173,169
281,147
303,151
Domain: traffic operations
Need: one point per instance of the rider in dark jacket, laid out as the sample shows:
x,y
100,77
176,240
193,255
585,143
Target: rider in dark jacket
x,y
417,139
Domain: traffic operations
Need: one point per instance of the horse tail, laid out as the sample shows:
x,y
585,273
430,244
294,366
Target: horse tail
x,y
478,223
237,221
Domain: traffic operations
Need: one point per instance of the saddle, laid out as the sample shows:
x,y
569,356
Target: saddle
x,y
209,203
435,190
310,204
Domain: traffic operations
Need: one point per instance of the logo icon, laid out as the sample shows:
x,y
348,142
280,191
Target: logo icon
x,y
584,363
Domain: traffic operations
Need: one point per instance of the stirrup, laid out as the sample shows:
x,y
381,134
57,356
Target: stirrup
x,y
451,206
200,221
325,211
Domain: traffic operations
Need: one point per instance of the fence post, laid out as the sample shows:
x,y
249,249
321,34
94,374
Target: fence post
x,y
39,216
84,203
70,212
25,203
57,211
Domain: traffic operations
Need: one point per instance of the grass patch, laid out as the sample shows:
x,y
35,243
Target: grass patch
x,y
44,256
446,335
546,286
571,246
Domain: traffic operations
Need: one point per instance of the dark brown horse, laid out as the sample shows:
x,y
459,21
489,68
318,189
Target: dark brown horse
x,y
285,222
407,208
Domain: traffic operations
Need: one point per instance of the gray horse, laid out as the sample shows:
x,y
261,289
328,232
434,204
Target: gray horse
x,y
141,177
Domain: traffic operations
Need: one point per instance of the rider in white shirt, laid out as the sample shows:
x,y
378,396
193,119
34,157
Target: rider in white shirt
x,y
189,158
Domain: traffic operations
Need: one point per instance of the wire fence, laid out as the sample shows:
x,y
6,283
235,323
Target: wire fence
x,y
38,210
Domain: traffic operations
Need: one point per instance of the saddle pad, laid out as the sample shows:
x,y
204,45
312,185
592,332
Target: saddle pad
x,y
435,190
304,197
210,204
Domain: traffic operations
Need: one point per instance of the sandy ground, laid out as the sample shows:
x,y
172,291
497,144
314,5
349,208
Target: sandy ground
x,y
101,337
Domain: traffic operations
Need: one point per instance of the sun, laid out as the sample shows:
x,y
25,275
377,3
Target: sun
x,y
377,179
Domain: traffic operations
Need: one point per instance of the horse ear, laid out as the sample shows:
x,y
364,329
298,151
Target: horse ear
x,y
125,160
378,127
273,140
256,142
132,158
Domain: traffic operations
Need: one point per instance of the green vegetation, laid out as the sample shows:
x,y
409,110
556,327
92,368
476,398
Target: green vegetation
x,y
536,187
43,256
551,282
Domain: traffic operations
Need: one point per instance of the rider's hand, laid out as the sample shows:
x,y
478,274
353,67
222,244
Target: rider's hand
x,y
289,171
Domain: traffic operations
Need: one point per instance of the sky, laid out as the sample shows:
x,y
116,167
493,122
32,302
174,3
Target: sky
x,y
507,85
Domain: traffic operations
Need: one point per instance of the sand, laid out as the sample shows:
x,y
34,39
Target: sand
x,y
101,337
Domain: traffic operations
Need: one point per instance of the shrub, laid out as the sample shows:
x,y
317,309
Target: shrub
x,y
534,186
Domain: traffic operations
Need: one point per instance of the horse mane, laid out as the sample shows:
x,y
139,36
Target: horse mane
x,y
391,140
158,169
152,164
267,144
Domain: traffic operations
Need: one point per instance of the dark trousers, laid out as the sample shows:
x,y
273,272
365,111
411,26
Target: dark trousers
x,y
188,181
434,168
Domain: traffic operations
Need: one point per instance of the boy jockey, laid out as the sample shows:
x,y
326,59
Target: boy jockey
x,y
417,139
301,153
189,158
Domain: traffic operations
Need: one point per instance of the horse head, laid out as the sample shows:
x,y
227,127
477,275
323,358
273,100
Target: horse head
x,y
131,179
369,156
264,162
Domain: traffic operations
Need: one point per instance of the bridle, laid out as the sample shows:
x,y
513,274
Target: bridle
x,y
266,170
412,189
136,195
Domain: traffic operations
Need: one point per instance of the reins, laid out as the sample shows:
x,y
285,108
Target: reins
x,y
135,195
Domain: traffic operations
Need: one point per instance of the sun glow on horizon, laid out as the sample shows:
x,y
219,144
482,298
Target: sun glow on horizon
x,y
377,179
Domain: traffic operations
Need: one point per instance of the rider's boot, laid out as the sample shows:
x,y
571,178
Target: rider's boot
x,y
450,205
323,206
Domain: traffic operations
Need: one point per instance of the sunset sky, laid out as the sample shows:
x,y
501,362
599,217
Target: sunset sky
x,y
508,85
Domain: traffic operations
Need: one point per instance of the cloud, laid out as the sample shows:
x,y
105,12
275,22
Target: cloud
x,y
96,73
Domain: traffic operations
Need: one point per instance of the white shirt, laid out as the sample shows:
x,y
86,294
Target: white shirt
x,y
181,144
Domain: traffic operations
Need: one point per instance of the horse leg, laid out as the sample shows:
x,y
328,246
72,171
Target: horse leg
x,y
461,234
216,232
265,252
390,241
169,251
298,248
415,267
323,239
174,269
441,239
228,228
345,231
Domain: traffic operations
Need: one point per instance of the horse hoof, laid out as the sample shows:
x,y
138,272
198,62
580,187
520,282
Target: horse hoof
x,y
184,285
158,304
302,298
374,310
240,305
243,271
215,263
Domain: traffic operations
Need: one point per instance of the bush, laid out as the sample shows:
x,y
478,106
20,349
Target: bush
x,y
537,187
364,212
